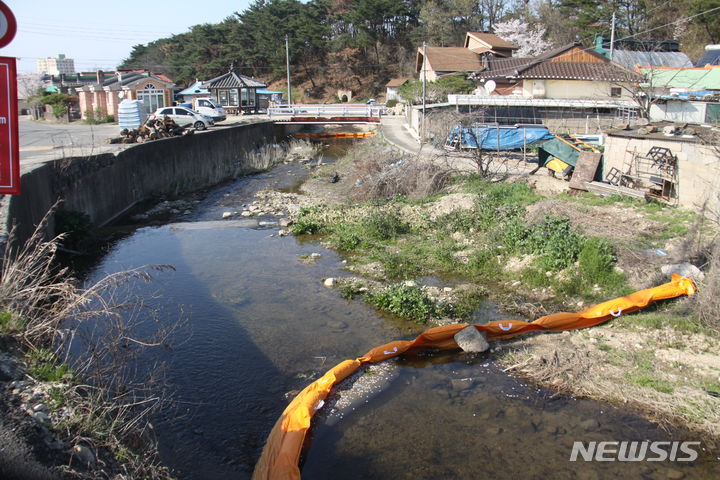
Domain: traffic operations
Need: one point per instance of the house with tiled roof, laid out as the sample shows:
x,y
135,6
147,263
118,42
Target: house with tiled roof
x,y
102,97
437,62
571,71
237,93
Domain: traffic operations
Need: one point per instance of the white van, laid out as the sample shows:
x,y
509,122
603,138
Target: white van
x,y
208,107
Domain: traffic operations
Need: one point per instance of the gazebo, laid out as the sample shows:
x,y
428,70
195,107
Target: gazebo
x,y
237,93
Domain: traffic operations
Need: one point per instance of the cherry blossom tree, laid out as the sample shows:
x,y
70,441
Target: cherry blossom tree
x,y
529,39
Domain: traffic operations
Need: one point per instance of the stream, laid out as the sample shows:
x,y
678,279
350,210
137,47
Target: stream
x,y
259,326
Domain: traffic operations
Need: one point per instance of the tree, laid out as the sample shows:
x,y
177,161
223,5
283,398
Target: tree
x,y
530,40
707,21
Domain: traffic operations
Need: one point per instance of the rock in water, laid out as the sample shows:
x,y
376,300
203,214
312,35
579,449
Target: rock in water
x,y
470,339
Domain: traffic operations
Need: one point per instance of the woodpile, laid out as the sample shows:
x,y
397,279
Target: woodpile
x,y
153,129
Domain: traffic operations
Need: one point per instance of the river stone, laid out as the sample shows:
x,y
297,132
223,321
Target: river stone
x,y
460,384
83,453
40,416
685,269
330,282
227,214
470,339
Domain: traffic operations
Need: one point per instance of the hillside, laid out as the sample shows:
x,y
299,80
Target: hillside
x,y
361,44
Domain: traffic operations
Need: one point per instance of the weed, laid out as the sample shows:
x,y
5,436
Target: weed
x,y
483,264
349,291
10,324
400,267
405,301
44,366
384,226
555,241
305,224
464,307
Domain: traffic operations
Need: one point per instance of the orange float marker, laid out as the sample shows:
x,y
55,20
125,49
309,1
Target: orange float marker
x,y
279,459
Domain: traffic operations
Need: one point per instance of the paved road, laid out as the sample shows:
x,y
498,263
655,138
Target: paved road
x,y
41,141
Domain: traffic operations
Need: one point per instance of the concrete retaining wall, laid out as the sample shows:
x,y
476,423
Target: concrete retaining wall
x,y
104,186
698,166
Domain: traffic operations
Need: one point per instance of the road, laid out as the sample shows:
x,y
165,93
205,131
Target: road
x,y
41,141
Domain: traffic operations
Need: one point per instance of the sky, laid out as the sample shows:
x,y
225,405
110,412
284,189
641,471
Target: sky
x,y
99,34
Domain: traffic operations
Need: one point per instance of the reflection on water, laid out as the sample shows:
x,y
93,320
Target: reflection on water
x,y
261,324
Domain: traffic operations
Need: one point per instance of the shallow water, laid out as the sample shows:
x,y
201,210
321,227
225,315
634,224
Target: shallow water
x,y
260,324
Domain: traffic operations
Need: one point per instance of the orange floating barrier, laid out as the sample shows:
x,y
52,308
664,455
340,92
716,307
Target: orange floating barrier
x,y
279,459
334,135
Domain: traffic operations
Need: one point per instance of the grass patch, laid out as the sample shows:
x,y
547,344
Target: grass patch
x,y
665,319
651,381
44,366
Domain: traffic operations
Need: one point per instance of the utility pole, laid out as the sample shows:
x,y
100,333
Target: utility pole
x,y
612,37
287,62
424,87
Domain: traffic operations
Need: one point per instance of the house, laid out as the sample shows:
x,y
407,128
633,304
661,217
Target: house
x,y
442,61
392,88
102,98
567,72
237,93
683,94
489,42
196,90
676,80
267,98
67,83
631,53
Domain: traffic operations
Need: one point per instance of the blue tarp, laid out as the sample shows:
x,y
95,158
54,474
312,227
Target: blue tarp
x,y
508,138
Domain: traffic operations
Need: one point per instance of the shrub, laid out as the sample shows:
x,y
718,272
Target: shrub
x,y
391,103
400,267
557,243
384,226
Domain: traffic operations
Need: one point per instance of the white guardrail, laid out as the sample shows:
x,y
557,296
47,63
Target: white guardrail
x,y
315,110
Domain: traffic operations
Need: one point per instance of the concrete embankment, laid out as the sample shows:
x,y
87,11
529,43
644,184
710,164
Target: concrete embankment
x,y
105,186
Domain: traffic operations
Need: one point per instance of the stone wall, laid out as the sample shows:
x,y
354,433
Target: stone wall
x,y
107,185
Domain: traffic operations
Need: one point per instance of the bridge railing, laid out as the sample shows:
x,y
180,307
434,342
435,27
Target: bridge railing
x,y
359,110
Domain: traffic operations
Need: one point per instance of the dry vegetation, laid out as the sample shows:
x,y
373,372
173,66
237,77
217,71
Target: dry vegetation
x,y
80,348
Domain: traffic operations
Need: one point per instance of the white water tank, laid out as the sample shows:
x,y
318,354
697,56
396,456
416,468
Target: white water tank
x,y
131,114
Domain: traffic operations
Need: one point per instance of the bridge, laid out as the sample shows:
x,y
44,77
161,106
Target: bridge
x,y
325,114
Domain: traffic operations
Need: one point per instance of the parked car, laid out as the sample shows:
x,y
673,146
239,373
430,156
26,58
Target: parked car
x,y
184,117
208,107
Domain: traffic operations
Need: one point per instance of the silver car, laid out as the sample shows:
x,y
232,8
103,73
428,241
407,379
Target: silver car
x,y
184,117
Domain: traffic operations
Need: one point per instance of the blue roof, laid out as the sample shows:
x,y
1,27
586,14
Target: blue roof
x,y
266,91
195,89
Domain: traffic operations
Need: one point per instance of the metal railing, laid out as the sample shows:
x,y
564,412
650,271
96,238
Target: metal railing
x,y
322,110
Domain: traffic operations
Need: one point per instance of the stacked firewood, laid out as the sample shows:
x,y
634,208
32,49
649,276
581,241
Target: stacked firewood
x,y
153,129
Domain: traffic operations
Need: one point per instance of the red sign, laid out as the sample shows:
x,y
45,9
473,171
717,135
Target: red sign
x,y
9,139
8,25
